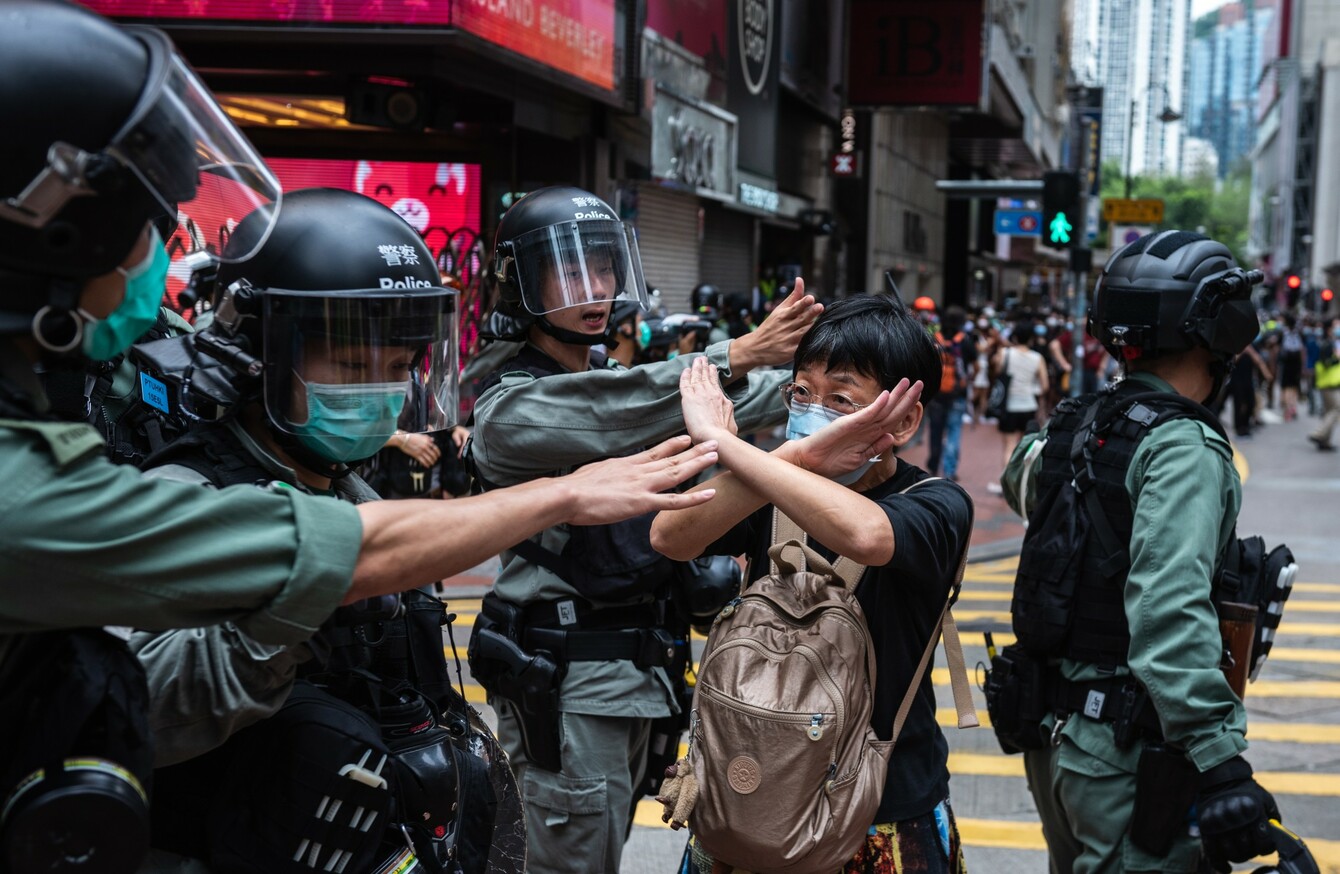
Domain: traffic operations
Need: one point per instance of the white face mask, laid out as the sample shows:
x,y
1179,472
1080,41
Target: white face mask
x,y
804,420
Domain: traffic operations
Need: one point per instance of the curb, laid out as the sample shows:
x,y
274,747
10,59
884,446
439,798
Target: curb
x,y
996,549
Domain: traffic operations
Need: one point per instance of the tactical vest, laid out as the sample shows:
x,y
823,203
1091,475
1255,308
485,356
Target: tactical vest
x,y
604,563
1123,416
379,662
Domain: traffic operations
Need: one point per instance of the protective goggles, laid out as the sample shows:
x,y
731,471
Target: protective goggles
x,y
180,145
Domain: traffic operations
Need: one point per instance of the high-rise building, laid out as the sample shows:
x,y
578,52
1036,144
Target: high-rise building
x,y
1136,50
1226,51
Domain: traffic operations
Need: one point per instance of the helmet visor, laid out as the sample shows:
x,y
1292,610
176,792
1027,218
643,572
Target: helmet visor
x,y
195,161
576,264
361,365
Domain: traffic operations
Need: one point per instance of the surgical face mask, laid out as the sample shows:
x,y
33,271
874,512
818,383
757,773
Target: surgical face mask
x,y
643,335
104,339
350,422
982,323
1040,330
802,421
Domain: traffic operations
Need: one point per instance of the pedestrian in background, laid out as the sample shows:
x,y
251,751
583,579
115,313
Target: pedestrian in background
x,y
1327,378
1028,382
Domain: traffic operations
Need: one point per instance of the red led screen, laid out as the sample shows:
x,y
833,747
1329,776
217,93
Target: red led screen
x,y
441,201
575,36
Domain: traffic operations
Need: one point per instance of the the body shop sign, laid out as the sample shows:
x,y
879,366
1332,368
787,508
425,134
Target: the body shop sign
x,y
575,36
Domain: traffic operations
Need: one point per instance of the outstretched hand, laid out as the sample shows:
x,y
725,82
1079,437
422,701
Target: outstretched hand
x,y
848,442
775,341
619,488
707,410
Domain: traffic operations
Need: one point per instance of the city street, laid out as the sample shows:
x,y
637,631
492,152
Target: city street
x,y
1290,494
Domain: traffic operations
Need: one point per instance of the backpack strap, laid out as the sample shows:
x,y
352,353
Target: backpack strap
x,y
946,629
788,536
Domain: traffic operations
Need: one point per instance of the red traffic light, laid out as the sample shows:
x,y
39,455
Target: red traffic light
x,y
1327,295
1294,281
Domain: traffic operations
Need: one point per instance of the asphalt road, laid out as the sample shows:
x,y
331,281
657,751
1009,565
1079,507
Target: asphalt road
x,y
1291,493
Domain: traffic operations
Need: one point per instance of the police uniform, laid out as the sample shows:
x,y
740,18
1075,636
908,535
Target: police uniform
x,y
1185,495
525,428
208,683
86,542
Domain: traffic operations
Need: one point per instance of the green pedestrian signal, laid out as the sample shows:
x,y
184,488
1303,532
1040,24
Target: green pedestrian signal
x,y
1060,230
1062,209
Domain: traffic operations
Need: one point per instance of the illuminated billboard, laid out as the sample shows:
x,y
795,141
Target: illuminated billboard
x,y
574,36
440,200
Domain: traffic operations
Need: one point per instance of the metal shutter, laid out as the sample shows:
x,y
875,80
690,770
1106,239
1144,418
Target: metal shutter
x,y
667,238
728,250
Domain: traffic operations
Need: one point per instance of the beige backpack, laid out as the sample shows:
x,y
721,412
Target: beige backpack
x,y
784,772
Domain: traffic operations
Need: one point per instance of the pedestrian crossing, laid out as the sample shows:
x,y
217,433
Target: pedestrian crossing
x,y
994,809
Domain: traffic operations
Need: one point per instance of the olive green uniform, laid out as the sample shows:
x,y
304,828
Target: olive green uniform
x,y
526,428
1185,495
87,543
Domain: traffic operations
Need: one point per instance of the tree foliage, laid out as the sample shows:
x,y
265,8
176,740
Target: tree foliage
x,y
1216,208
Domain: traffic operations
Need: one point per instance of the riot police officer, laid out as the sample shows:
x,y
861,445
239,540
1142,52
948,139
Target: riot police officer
x,y
107,130
587,606
1141,722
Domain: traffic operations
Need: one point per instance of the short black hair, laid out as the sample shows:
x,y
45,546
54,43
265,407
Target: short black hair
x,y
876,336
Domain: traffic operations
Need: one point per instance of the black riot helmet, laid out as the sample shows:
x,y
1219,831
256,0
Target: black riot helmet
x,y
106,128
707,301
1173,291
564,247
344,304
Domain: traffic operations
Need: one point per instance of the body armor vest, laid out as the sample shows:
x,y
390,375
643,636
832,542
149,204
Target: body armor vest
x,y
1097,465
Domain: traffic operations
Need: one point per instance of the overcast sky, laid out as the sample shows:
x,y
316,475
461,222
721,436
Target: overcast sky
x,y
1200,7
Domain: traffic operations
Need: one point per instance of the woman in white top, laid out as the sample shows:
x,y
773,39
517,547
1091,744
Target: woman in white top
x,y
1028,382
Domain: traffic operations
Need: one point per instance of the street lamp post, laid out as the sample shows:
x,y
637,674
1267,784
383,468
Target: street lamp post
x,y
1167,116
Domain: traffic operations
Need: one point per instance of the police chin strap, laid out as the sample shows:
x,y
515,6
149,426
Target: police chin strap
x,y
307,458
564,335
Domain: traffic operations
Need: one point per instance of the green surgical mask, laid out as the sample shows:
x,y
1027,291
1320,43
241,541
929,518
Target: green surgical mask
x,y
643,335
104,339
350,422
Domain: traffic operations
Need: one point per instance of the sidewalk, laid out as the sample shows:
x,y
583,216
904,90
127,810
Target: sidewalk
x,y
997,531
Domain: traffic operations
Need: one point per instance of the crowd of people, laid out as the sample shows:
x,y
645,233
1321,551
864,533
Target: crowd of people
x,y
222,653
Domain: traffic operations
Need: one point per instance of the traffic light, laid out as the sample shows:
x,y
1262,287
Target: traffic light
x,y
1326,297
1062,224
1294,281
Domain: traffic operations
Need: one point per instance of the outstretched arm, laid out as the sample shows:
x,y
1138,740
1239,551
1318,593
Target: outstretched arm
x,y
413,542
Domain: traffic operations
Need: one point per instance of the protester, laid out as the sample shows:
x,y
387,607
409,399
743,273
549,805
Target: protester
x,y
860,374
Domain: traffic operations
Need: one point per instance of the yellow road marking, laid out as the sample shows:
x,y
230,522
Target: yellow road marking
x,y
1324,588
1287,782
1313,606
1240,462
1008,834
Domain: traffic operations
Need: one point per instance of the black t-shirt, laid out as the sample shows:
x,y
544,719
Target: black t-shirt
x,y
902,601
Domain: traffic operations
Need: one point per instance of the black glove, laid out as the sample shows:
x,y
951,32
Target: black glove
x,y
1234,813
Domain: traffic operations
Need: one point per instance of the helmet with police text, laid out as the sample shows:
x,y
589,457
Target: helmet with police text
x,y
1173,291
563,247
345,306
106,128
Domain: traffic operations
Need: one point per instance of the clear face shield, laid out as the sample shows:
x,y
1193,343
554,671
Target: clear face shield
x,y
345,372
578,263
181,146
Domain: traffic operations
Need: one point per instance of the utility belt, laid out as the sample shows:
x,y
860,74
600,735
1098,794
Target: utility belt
x,y
521,654
1022,690
574,631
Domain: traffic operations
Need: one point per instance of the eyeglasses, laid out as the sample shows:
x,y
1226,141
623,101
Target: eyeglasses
x,y
798,396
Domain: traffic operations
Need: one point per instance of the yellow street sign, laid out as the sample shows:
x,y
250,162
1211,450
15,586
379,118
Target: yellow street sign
x,y
1137,212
